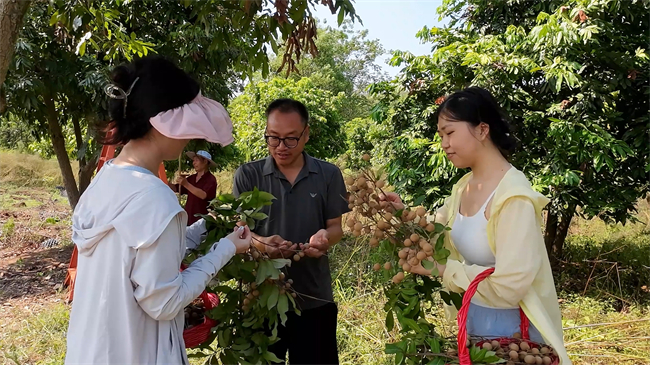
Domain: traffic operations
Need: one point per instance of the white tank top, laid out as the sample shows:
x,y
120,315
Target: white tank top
x,y
470,237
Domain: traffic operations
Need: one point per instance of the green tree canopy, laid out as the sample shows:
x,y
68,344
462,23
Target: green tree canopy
x,y
572,77
66,48
326,139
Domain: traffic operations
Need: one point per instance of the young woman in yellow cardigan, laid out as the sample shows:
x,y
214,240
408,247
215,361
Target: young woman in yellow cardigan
x,y
496,220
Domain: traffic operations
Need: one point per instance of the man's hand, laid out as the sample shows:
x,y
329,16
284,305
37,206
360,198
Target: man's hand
x,y
318,244
277,247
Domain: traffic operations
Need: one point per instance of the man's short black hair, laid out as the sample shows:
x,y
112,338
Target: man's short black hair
x,y
289,106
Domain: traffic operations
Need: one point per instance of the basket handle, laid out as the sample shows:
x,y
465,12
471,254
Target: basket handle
x,y
463,351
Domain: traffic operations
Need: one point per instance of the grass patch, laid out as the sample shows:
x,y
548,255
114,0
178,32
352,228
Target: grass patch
x,y
36,339
20,169
598,334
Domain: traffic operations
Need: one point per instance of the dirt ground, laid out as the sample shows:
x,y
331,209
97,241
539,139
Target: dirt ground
x,y
32,276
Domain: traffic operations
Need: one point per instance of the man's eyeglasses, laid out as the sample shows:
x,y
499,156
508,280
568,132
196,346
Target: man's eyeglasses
x,y
289,142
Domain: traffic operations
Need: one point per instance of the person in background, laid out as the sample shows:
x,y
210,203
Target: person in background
x,y
310,200
495,218
201,188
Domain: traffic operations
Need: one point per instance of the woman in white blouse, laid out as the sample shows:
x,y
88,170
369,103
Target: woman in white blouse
x,y
130,230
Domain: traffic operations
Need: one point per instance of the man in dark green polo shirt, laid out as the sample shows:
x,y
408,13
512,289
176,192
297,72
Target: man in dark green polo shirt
x,y
311,198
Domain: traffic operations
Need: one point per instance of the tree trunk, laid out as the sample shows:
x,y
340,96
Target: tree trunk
x,y
557,229
86,167
58,144
12,13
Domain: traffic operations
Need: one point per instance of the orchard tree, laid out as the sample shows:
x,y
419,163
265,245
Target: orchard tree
x,y
12,13
346,62
66,48
326,138
572,76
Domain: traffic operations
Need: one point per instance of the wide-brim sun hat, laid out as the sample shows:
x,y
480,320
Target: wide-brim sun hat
x,y
202,153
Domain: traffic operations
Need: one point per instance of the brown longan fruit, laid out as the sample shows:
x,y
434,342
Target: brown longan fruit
x,y
294,295
487,346
301,254
408,242
374,242
529,359
546,360
246,301
423,222
524,346
538,360
358,226
387,266
296,257
415,237
514,347
388,216
379,234
514,355
402,262
406,267
430,227
398,277
376,267
414,261
517,335
380,184
356,233
421,255
544,350
256,293
349,180
366,157
496,344
534,351
403,253
421,211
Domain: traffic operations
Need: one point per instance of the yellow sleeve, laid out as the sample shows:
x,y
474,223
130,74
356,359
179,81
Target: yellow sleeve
x,y
442,214
518,258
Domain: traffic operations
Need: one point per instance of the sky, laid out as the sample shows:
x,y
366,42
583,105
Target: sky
x,y
393,22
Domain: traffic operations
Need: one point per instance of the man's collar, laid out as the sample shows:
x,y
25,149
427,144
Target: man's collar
x,y
270,167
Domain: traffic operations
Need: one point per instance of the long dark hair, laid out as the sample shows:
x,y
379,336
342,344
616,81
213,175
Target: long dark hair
x,y
160,86
475,105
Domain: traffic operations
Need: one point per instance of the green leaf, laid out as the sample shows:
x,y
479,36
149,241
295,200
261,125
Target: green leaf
x,y
429,265
283,307
390,321
391,349
269,356
273,298
341,17
399,358
280,263
227,198
259,216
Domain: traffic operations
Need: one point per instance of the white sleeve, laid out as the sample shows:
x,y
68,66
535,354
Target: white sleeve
x,y
194,234
161,290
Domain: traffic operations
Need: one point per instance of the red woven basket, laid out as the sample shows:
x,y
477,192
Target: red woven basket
x,y
197,335
463,351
